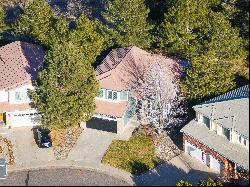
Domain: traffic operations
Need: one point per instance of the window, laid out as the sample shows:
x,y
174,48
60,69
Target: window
x,y
21,96
109,94
101,93
124,95
226,133
114,95
206,121
242,140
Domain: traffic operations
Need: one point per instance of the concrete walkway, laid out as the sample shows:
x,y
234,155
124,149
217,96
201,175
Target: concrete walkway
x,y
91,146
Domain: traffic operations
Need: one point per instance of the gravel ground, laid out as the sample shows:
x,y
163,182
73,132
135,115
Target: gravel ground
x,y
61,177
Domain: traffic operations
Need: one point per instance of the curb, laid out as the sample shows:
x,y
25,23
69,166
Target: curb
x,y
100,169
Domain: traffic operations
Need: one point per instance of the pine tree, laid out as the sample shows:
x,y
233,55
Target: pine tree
x,y
2,22
225,43
66,88
85,36
182,32
127,23
207,76
35,23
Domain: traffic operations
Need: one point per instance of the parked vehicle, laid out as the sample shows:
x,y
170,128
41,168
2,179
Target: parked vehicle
x,y
44,139
3,169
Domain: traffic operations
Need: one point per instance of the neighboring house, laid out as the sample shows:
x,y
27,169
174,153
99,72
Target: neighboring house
x,y
219,136
19,64
116,103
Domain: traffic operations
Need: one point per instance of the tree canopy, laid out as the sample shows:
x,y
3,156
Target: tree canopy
x,y
66,88
127,23
2,21
207,76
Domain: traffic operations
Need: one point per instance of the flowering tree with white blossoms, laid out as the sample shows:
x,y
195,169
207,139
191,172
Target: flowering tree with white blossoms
x,y
159,102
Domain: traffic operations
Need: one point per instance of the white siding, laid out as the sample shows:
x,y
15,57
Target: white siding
x,y
213,126
199,118
12,93
235,136
219,130
3,96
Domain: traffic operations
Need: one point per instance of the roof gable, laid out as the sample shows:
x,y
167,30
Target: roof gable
x,y
20,63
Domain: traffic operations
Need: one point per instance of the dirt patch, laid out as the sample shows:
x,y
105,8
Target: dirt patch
x,y
6,150
64,140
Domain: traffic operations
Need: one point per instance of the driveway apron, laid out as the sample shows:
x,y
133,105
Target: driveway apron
x,y
91,146
27,150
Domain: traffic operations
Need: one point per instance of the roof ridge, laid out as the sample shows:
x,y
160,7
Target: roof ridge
x,y
24,60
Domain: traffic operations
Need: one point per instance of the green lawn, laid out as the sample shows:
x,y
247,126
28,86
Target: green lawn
x,y
137,155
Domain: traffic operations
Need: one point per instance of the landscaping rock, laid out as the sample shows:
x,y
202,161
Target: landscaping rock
x,y
165,149
6,150
69,139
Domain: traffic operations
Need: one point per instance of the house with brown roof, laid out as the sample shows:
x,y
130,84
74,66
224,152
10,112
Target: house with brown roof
x,y
219,136
20,63
116,74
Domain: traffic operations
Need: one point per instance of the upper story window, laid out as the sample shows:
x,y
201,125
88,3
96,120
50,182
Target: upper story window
x,y
113,95
242,140
226,133
110,94
101,93
21,96
206,121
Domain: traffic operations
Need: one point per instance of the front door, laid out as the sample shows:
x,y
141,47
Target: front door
x,y
2,117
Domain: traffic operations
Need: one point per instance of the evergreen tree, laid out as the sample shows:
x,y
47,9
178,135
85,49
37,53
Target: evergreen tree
x,y
66,88
127,23
158,8
85,36
183,30
223,39
2,21
237,11
35,23
207,76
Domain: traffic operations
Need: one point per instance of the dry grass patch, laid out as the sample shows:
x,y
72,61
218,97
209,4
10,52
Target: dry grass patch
x,y
137,155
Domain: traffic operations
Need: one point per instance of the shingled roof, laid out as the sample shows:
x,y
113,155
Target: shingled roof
x,y
233,105
112,60
122,64
20,63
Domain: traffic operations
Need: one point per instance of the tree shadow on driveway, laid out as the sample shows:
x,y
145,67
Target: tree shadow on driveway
x,y
168,174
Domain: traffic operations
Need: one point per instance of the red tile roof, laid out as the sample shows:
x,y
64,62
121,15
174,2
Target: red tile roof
x,y
19,63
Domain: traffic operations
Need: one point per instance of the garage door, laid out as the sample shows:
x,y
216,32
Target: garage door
x,y
24,119
102,124
193,151
215,164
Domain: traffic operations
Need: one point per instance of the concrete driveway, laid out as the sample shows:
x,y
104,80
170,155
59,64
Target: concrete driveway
x,y
182,167
27,151
91,146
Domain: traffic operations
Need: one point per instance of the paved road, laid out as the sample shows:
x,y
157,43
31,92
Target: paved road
x,y
61,177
